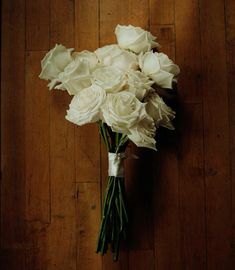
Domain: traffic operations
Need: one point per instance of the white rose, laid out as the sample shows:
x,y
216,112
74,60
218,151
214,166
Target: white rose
x,y
159,111
159,68
111,79
87,56
121,111
85,106
75,77
112,55
138,83
142,134
54,62
134,38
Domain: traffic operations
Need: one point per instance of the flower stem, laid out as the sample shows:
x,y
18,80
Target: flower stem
x,y
114,220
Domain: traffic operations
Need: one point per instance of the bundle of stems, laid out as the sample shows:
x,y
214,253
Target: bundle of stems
x,y
114,214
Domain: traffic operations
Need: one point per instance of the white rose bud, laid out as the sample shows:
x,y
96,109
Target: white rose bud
x,y
88,56
85,106
121,111
75,77
159,68
159,111
111,79
138,83
134,38
55,62
142,134
112,55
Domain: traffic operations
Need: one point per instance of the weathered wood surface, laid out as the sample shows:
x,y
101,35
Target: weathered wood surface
x,y
53,174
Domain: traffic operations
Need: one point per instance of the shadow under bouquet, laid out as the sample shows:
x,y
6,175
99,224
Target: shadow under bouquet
x,y
116,87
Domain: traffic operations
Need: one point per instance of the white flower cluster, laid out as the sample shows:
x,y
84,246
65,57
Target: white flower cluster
x,y
114,84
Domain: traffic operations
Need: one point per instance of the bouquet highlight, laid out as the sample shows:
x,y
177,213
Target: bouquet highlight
x,y
114,86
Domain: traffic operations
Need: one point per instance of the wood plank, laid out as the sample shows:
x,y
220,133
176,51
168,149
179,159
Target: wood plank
x,y
37,136
13,259
188,53
192,187
37,25
37,178
230,40
87,137
36,257
166,38
162,12
139,188
145,262
62,231
230,22
216,135
88,217
37,128
87,151
62,23
166,209
165,163
62,245
12,123
86,27
231,92
135,13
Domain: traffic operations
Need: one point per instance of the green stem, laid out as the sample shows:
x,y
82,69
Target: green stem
x,y
114,215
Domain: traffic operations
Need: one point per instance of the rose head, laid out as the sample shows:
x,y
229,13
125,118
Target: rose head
x,y
55,62
121,111
75,77
134,38
111,79
142,134
138,83
113,55
85,107
87,56
159,68
159,111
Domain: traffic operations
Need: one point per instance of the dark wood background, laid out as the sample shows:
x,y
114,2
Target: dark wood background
x,y
53,174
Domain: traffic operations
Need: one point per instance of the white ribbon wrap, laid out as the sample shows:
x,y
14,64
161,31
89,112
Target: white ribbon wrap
x,y
116,166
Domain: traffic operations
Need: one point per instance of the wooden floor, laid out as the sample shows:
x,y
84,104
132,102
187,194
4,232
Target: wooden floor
x,y
53,174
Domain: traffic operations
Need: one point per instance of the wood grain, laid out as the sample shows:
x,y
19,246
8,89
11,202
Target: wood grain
x,y
145,260
7,261
37,133
37,180
192,188
188,50
62,245
216,135
62,17
37,25
161,12
166,38
230,44
87,151
53,174
166,210
88,215
87,137
12,124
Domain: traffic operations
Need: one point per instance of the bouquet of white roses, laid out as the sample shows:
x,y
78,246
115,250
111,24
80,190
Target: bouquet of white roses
x,y
114,87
